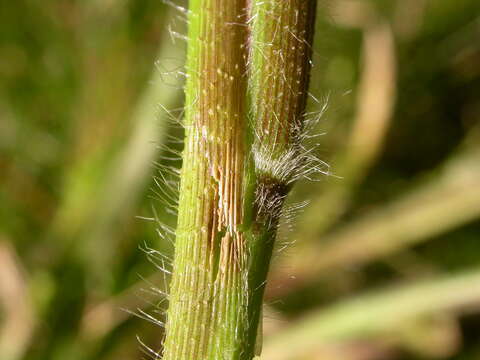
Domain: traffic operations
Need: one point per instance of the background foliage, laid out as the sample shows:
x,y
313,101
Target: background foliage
x,y
385,260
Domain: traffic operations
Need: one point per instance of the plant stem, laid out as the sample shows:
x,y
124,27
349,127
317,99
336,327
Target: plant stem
x,y
207,307
232,187
281,54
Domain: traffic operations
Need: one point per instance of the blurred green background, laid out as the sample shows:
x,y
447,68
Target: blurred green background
x,y
384,262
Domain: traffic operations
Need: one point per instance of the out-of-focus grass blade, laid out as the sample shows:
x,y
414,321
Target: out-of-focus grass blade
x,y
370,315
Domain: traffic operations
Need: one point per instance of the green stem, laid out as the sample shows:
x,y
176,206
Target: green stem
x,y
207,307
281,53
230,202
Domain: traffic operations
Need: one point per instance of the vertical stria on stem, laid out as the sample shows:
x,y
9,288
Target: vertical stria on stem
x,y
279,66
230,202
207,304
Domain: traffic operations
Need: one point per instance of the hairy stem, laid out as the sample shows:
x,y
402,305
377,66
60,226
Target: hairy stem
x,y
233,187
207,302
280,65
